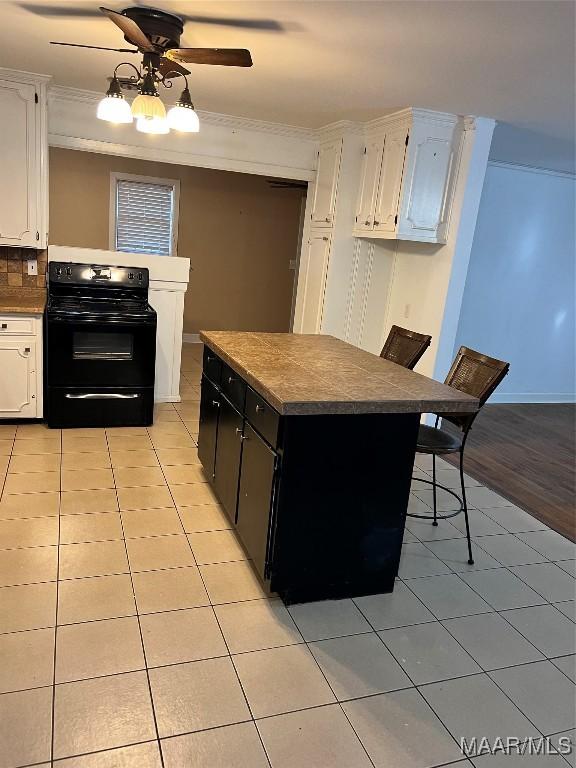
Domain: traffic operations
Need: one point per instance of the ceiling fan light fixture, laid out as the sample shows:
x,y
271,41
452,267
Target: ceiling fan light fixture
x,y
114,108
148,107
153,125
182,116
148,103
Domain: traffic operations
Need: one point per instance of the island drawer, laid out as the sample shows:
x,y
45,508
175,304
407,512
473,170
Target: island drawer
x,y
233,386
262,416
212,366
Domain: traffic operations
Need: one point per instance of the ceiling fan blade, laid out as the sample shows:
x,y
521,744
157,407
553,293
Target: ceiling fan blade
x,y
226,57
132,32
96,47
265,24
170,69
60,10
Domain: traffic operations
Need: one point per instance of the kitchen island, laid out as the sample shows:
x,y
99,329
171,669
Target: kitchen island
x,y
309,444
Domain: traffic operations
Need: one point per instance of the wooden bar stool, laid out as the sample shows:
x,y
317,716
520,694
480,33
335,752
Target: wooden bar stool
x,y
477,375
405,347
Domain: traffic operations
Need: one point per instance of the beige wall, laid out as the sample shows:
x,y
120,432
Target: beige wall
x,y
238,233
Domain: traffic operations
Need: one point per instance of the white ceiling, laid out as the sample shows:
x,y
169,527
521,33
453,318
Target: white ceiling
x,y
354,59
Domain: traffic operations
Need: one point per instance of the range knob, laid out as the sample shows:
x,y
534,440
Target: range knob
x,y
58,270
140,276
68,270
131,276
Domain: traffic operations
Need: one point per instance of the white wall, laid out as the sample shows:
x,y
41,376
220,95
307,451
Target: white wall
x,y
519,296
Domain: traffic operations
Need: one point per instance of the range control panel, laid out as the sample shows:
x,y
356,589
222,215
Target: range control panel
x,y
97,274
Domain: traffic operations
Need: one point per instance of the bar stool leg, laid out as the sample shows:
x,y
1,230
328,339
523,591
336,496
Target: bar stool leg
x,y
465,506
435,521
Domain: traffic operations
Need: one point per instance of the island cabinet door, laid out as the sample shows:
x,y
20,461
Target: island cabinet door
x,y
208,428
228,452
256,499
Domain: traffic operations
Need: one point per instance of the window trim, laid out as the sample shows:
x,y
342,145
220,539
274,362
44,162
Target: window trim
x,y
115,177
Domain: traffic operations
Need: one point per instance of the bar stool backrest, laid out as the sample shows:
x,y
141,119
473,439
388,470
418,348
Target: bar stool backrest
x,y
405,347
477,375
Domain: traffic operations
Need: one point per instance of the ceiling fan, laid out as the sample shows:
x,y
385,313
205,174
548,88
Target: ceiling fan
x,y
156,35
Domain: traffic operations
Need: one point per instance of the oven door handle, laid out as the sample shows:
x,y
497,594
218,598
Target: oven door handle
x,y
101,396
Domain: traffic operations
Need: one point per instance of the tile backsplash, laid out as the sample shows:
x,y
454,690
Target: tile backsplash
x,y
14,268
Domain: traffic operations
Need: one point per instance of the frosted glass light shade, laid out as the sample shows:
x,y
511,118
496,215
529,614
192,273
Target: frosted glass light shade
x,y
152,125
183,119
148,106
114,109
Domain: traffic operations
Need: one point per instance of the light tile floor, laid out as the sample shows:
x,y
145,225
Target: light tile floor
x,y
134,633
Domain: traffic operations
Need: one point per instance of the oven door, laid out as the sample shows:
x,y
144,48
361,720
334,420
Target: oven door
x,y
100,353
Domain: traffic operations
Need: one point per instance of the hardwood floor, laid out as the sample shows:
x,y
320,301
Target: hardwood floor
x,y
526,453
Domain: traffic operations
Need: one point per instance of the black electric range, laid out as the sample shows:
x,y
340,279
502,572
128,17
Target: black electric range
x,y
100,346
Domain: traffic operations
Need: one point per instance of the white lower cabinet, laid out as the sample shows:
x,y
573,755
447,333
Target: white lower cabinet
x,y
312,278
20,367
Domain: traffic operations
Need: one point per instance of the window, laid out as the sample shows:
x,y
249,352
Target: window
x,y
143,214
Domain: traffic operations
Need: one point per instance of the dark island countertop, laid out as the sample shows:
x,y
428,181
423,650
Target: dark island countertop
x,y
302,374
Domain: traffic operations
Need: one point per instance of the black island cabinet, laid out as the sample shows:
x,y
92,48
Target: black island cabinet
x,y
318,500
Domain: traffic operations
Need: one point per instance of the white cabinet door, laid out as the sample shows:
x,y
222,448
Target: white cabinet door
x,y
386,215
315,271
371,166
19,162
18,388
326,186
426,177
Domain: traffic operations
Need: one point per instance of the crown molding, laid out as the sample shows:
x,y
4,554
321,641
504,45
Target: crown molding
x,y
407,115
337,129
77,95
33,78
532,169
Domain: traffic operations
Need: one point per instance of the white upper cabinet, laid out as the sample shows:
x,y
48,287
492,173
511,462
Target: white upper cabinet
x,y
370,176
408,166
23,160
390,180
326,186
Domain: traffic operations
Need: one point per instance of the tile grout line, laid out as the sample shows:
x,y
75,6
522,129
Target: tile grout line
x,y
213,609
137,612
54,659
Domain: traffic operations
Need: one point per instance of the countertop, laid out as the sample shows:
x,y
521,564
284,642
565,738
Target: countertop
x,y
301,374
24,301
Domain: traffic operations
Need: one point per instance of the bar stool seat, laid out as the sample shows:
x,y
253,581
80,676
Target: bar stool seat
x,y
435,440
477,375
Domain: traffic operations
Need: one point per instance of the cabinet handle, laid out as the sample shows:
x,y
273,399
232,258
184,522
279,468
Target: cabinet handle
x,y
209,358
367,223
260,408
4,325
215,403
325,239
26,350
238,431
231,379
328,218
376,223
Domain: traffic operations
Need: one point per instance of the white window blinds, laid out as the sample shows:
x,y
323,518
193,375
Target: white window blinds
x,y
144,217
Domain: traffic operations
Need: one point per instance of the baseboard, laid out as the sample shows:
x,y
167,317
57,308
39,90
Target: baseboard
x,y
532,397
191,338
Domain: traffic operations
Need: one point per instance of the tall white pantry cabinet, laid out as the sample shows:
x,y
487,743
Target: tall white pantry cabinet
x,y
391,179
23,159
